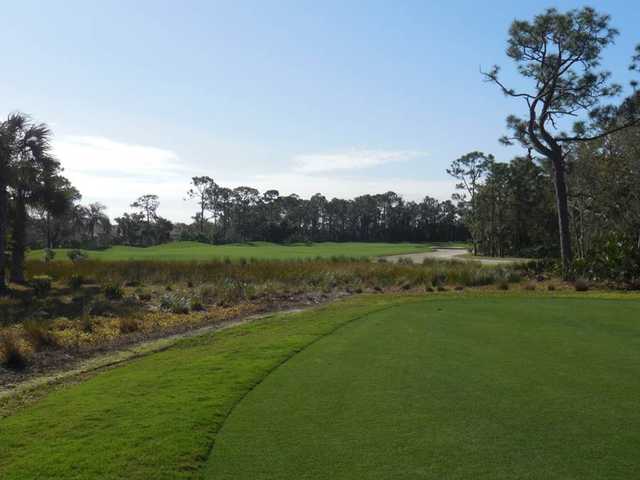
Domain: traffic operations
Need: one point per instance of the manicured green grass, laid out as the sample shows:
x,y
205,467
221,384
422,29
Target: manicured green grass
x,y
188,251
492,388
448,386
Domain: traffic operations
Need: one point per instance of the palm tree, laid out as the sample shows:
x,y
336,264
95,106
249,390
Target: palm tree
x,y
33,166
10,131
95,216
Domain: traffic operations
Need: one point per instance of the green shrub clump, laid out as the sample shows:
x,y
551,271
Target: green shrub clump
x,y
41,285
113,291
76,281
76,256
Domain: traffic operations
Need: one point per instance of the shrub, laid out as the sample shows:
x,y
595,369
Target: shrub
x,y
551,287
175,303
529,286
513,276
112,291
76,281
12,352
41,285
39,334
613,257
101,308
405,261
143,296
49,255
128,325
196,305
581,285
502,285
206,294
77,256
438,279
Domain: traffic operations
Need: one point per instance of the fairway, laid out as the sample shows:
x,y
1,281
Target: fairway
x,y
490,389
449,386
194,251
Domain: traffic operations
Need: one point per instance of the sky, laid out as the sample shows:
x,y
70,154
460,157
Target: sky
x,y
339,97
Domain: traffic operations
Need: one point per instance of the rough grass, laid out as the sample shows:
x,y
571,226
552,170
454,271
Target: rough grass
x,y
413,388
92,302
194,251
331,272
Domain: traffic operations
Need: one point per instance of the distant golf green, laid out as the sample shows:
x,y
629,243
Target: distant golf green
x,y
194,251
452,386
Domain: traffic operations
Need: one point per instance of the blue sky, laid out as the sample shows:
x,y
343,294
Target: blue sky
x,y
339,97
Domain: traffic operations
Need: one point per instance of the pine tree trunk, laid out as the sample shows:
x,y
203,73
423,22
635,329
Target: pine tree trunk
x,y
563,216
3,236
19,241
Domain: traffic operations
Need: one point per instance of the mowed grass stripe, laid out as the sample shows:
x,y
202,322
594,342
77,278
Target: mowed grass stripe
x,y
157,417
194,251
525,388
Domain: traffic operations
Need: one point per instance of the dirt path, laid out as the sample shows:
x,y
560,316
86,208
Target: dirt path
x,y
450,254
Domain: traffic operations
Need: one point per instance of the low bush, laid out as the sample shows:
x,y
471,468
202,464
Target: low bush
x,y
613,258
77,256
76,281
581,285
128,325
49,255
196,305
13,353
113,291
41,285
38,333
175,303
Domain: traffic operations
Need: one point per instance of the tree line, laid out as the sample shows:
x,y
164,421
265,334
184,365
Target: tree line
x,y
245,214
242,214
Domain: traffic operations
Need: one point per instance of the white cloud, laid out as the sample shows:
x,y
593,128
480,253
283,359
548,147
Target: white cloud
x,y
102,156
116,173
351,160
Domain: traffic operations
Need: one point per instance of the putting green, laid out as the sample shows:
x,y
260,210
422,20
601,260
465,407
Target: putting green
x,y
526,388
